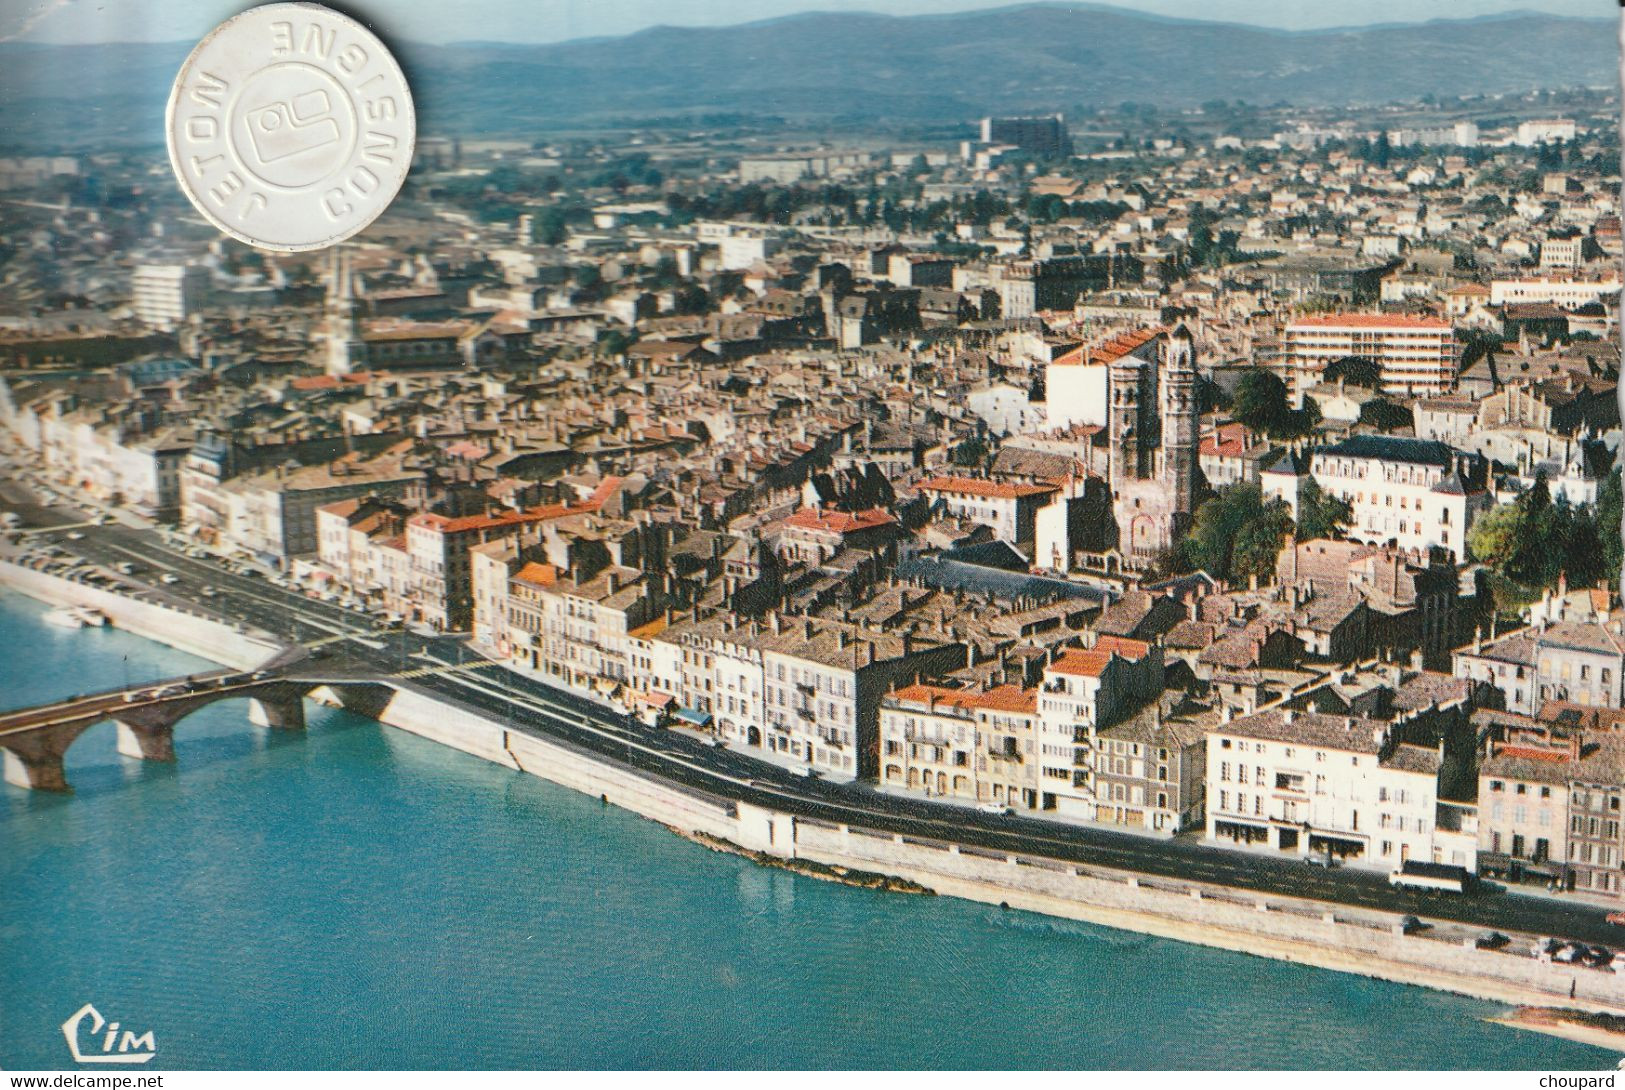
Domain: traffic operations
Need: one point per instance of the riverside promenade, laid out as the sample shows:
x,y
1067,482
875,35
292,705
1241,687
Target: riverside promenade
x,y
1256,907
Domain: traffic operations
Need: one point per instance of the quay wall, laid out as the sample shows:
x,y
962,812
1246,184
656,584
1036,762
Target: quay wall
x,y
1328,936
667,803
190,632
1336,937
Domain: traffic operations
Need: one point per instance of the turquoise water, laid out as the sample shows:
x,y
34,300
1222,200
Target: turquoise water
x,y
357,896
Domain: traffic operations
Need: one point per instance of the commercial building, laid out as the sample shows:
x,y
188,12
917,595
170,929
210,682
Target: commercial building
x,y
1303,783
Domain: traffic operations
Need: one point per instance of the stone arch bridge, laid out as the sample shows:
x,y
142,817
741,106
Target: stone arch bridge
x,y
35,740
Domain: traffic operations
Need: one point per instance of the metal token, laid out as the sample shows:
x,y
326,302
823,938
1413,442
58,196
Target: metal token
x,y
290,127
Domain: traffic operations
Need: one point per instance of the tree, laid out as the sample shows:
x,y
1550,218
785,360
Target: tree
x,y
1236,534
1356,371
1260,402
1536,540
1610,510
1321,514
971,452
614,342
1495,534
1384,415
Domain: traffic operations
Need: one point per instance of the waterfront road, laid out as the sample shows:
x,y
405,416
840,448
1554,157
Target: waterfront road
x,y
348,642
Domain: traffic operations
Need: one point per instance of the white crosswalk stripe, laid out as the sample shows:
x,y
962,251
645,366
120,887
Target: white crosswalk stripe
x,y
447,668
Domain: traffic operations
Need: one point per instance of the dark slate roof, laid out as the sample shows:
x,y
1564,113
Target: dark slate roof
x,y
1451,485
1391,448
990,554
1004,585
1286,463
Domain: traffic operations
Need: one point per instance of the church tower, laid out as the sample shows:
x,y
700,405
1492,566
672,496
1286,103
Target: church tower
x,y
1180,423
1123,420
342,328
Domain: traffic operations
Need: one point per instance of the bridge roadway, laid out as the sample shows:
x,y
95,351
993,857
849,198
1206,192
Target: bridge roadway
x,y
531,706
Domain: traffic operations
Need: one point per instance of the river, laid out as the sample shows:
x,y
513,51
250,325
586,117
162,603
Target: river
x,y
356,896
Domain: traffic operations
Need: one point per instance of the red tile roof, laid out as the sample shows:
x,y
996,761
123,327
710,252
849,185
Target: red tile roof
x,y
1370,321
1133,650
540,575
838,522
996,490
1009,698
1113,348
1091,663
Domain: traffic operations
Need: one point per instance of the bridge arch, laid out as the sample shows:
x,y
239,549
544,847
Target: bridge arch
x,y
34,741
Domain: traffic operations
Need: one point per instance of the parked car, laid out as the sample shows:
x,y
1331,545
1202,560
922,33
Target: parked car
x,y
994,808
1492,941
169,577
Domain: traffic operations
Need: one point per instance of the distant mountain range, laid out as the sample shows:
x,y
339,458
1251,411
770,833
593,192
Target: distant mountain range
x,y
917,68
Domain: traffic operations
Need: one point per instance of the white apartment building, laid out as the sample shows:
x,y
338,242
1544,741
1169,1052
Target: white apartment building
x,y
1302,783
1083,691
115,463
164,295
800,691
1010,510
1561,291
273,514
972,745
1531,133
1562,253
1415,493
574,630
1418,356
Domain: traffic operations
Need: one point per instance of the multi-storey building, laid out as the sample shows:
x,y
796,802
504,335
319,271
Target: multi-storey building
x,y
1010,510
273,514
1304,783
1418,356
971,745
1083,692
1150,771
164,296
1523,797
1566,292
1579,661
798,690
1412,493
572,627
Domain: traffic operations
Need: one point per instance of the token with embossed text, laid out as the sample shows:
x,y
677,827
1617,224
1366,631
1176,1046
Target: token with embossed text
x,y
291,127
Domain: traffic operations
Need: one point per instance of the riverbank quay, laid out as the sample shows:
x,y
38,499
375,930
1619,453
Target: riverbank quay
x,y
1363,941
1298,930
194,632
1601,1030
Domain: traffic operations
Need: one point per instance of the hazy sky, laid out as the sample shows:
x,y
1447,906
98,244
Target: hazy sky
x,y
557,20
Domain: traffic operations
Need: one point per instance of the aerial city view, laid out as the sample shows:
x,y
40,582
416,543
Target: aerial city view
x,y
1110,518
